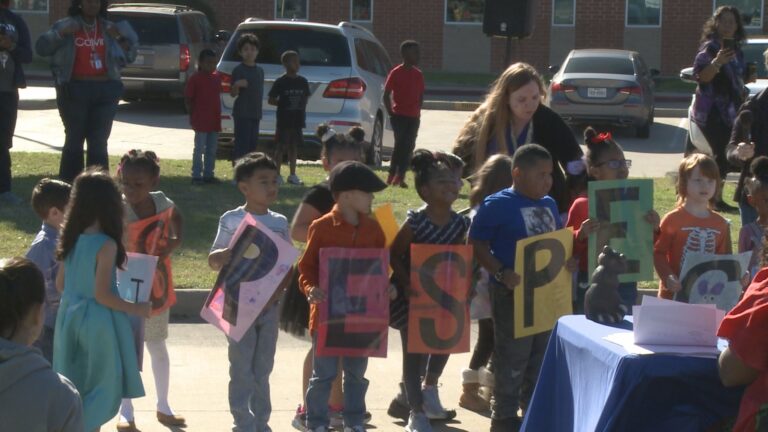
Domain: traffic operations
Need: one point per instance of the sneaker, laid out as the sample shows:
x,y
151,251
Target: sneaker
x,y
358,428
295,180
399,407
299,421
9,198
367,418
432,406
418,422
211,180
280,180
512,424
336,417
403,184
198,181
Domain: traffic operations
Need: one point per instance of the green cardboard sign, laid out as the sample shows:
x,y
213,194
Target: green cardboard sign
x,y
621,206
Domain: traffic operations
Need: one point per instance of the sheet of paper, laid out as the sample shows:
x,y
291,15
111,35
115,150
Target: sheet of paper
x,y
666,322
626,340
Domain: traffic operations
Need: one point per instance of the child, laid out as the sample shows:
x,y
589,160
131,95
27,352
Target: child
x,y
347,225
49,199
294,317
289,93
139,174
692,226
403,97
251,360
32,396
494,175
605,161
501,220
248,87
437,177
751,235
203,104
93,343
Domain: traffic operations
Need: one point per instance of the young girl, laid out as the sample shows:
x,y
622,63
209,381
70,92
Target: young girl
x,y
494,175
437,179
93,344
152,213
201,98
605,161
294,317
751,235
48,401
692,226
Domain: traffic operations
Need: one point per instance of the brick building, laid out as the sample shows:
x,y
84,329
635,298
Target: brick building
x,y
666,33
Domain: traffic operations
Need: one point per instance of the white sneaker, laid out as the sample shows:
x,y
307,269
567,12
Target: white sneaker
x,y
295,180
432,406
418,422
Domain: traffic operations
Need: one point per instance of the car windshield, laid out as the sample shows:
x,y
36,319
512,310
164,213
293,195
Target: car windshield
x,y
315,48
151,29
753,52
603,65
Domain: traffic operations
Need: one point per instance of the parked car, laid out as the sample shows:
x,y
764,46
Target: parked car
x,y
170,40
346,67
604,86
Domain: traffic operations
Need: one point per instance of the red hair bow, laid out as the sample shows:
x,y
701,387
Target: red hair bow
x,y
600,138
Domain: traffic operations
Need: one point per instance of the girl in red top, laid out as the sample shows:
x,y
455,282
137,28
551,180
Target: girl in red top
x,y
203,104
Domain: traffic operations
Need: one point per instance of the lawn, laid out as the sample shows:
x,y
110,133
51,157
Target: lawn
x,y
201,207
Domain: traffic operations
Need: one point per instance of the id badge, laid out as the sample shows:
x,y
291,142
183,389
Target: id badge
x,y
96,61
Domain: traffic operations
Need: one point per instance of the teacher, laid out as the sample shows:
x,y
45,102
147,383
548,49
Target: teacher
x,y
87,53
512,115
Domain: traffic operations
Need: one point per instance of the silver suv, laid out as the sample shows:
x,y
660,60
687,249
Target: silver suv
x,y
170,40
346,67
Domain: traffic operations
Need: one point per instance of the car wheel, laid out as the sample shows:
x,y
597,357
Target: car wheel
x,y
373,153
644,131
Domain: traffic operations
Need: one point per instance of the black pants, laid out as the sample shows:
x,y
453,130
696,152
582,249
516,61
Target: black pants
x,y
406,129
415,365
9,105
287,142
718,133
484,344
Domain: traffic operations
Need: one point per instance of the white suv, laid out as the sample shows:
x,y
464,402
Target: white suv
x,y
346,67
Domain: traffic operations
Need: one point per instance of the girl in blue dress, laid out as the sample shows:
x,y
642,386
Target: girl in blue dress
x,y
93,344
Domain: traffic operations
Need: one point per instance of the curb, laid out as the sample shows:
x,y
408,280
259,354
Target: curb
x,y
450,105
189,303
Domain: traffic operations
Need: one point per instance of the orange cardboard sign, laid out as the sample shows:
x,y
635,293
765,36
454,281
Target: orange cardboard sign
x,y
150,236
438,316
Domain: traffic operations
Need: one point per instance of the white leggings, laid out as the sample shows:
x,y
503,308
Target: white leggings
x,y
161,366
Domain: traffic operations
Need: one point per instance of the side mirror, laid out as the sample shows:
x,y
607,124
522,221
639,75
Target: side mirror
x,y
553,69
222,36
687,75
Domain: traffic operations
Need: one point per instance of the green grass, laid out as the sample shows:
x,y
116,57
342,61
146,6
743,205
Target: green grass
x,y
201,207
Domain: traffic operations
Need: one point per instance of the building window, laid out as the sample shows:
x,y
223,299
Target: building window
x,y
643,13
31,6
563,12
751,11
464,11
292,9
362,10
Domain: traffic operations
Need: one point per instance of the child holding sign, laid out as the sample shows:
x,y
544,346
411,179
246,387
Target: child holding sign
x,y
692,226
751,235
501,220
438,180
252,358
348,225
139,173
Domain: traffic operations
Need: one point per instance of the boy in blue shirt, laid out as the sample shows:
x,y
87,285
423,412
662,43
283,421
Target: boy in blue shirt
x,y
502,219
49,198
248,88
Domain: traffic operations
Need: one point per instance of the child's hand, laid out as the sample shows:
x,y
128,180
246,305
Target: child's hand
x,y
315,295
746,279
241,83
673,284
392,292
143,310
572,265
219,258
653,219
511,279
588,227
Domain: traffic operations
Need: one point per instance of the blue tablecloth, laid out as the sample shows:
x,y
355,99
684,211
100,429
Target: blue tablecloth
x,y
589,384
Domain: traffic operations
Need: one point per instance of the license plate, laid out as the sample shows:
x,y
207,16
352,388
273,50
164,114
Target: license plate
x,y
597,92
139,60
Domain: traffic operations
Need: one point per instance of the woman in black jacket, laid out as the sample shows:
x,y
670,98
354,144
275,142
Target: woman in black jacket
x,y
512,115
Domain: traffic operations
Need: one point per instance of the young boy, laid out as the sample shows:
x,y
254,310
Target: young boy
x,y
49,198
248,87
403,97
347,225
501,220
203,104
251,359
290,94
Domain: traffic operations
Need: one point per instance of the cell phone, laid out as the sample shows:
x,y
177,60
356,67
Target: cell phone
x,y
729,43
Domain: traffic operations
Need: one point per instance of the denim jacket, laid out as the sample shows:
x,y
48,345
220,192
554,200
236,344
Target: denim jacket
x,y
62,49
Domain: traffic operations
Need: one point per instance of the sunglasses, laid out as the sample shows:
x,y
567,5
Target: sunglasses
x,y
616,163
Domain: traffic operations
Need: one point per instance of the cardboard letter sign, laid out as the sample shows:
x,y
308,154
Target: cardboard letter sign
x,y
386,219
354,318
713,279
438,316
150,236
544,292
260,260
134,284
621,206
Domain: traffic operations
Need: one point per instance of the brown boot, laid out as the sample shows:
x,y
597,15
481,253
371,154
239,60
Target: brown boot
x,y
471,400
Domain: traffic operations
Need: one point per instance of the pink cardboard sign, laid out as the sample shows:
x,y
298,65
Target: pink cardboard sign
x,y
260,260
354,318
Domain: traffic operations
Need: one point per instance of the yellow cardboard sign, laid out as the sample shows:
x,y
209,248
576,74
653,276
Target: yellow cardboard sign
x,y
544,293
386,218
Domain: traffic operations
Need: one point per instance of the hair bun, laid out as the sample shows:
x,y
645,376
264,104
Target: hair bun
x,y
422,159
759,167
322,129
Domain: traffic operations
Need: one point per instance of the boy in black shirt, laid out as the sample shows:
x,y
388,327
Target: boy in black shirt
x,y
290,94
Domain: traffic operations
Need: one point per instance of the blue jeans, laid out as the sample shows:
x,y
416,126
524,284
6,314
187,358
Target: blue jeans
x,y
517,360
324,370
747,212
246,136
87,109
204,156
250,363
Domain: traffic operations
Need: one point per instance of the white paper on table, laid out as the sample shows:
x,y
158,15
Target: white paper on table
x,y
134,283
627,341
666,322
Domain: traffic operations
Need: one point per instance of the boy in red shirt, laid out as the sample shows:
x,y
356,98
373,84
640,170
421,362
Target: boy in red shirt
x,y
403,97
204,106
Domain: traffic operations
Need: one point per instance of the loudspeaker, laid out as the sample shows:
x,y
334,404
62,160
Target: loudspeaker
x,y
512,18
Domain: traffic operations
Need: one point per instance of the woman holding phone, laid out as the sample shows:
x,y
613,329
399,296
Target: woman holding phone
x,y
720,71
